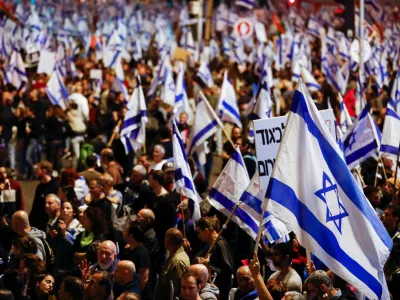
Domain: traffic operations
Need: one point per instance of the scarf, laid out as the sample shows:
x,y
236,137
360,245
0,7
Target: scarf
x,y
87,238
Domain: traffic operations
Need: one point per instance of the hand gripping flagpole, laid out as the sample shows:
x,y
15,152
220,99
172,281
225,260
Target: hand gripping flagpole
x,y
116,131
395,174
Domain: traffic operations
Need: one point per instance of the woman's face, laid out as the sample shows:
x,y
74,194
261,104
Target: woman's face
x,y
46,285
67,211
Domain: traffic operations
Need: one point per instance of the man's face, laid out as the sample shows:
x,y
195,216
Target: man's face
x,y
151,182
136,178
189,289
157,155
144,161
95,189
39,172
51,207
236,133
374,198
202,234
245,281
389,219
105,257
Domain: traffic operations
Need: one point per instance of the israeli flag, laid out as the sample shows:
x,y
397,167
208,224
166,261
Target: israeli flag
x,y
345,119
314,26
181,98
279,55
227,107
56,91
311,83
169,88
361,141
391,133
112,51
61,60
205,74
118,85
394,100
313,192
206,124
183,176
376,11
133,132
16,74
261,107
331,69
7,37
227,190
252,203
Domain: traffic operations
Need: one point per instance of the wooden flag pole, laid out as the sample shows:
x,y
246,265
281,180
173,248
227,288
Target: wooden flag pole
x,y
183,216
383,168
376,173
114,134
259,233
222,230
395,174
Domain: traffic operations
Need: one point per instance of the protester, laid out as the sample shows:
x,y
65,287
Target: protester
x,y
245,285
177,263
126,279
71,288
208,291
107,258
99,286
221,255
190,286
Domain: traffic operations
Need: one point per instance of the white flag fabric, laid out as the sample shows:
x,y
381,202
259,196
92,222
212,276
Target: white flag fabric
x,y
311,83
183,176
261,107
253,202
249,4
313,192
205,125
391,133
227,107
113,50
16,74
345,119
362,140
394,100
133,133
168,90
56,91
181,98
205,74
228,188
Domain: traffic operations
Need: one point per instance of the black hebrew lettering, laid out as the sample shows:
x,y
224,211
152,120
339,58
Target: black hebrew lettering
x,y
261,168
262,135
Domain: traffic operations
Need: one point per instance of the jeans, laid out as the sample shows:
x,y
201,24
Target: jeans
x,y
76,145
33,153
11,153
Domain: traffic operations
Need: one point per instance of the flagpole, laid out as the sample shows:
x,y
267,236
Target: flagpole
x,y
222,230
376,174
207,36
383,167
395,174
114,133
183,216
259,233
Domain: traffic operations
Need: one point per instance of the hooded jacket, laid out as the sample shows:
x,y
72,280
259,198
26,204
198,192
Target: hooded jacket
x,y
209,292
132,286
40,237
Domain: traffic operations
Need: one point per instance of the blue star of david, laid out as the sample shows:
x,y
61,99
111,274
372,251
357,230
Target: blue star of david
x,y
171,87
334,69
327,187
352,139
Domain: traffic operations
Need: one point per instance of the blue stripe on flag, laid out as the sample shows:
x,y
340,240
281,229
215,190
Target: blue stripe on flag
x,y
339,169
389,149
202,132
229,204
391,113
238,158
229,108
188,183
361,152
134,120
251,201
272,230
310,84
319,232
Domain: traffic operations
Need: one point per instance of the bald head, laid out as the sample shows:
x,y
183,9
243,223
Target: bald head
x,y
146,217
173,239
244,279
108,245
20,223
124,272
201,271
244,271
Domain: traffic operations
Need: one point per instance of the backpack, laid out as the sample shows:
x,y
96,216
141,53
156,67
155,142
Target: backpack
x,y
86,150
49,254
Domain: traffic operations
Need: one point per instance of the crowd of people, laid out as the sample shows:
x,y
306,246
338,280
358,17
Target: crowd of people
x,y
106,224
